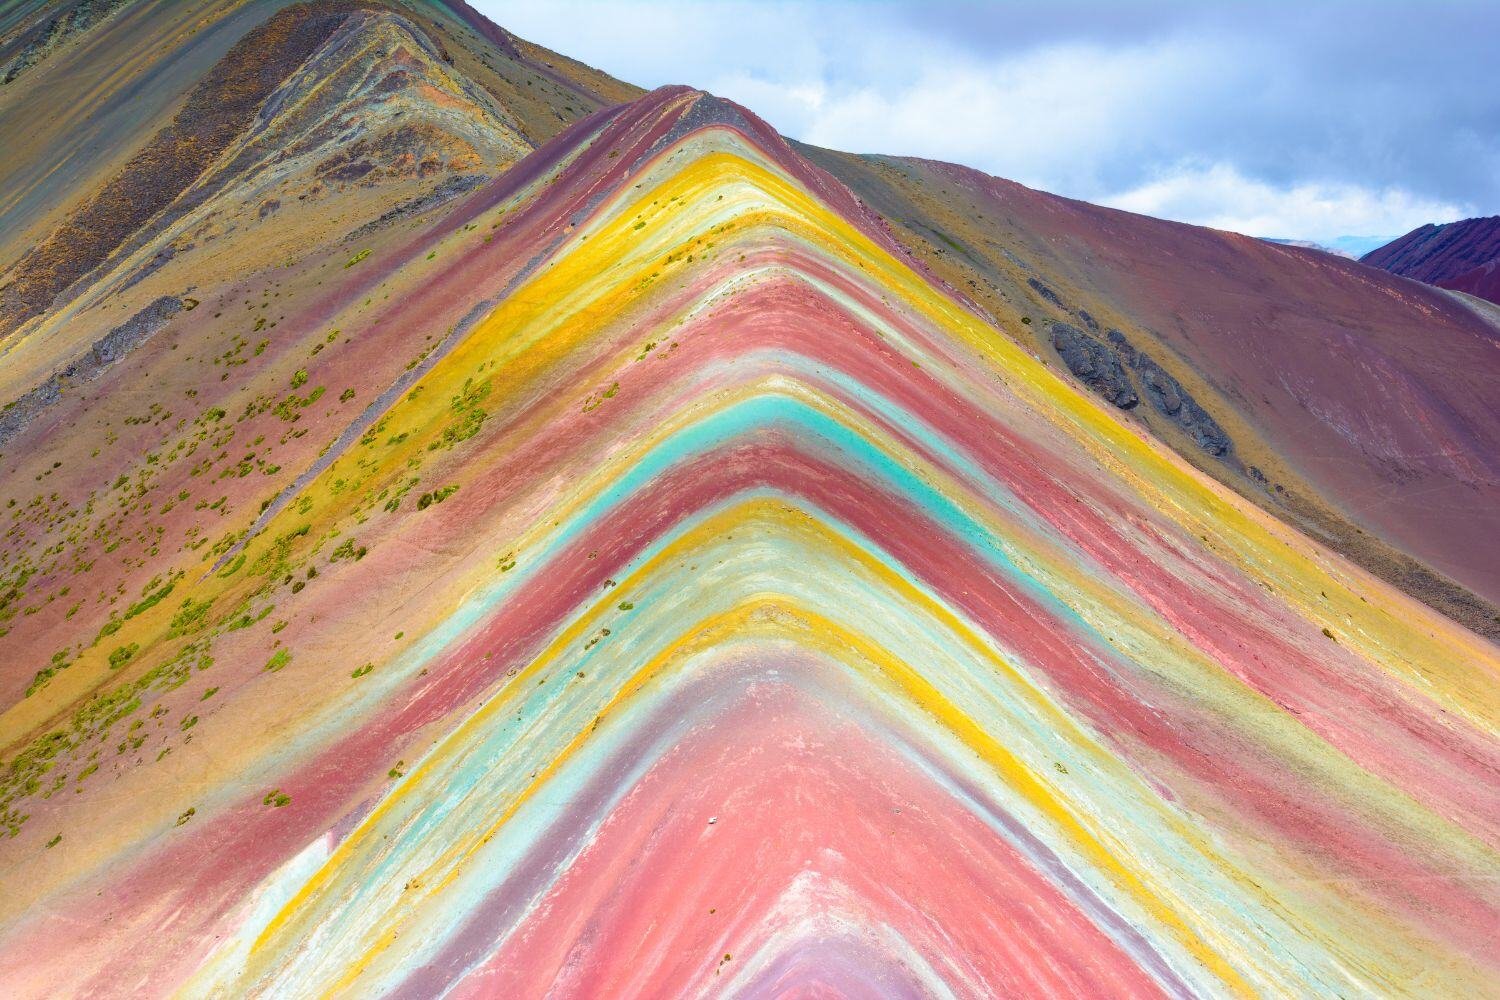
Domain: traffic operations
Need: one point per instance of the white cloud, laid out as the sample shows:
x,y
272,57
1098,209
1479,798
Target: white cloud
x,y
849,76
1048,117
1221,197
1289,121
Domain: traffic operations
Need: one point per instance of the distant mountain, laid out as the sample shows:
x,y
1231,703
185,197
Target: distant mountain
x,y
1308,245
1464,256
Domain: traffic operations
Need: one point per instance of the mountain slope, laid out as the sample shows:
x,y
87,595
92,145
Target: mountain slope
x,y
1439,253
636,573
1464,256
71,213
1357,406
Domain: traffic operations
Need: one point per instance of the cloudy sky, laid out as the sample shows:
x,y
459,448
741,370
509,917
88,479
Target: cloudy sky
x,y
1307,119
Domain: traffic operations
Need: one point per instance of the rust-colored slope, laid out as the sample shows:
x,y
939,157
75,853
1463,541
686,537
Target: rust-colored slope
x,y
1358,405
1463,256
1482,282
1440,254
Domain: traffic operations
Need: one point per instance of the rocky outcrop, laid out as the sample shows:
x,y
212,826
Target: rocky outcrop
x,y
1167,396
1105,368
1096,363
105,352
36,43
1045,292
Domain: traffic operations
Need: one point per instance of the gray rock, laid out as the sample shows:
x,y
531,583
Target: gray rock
x,y
1014,259
16,415
1045,292
1123,346
1096,363
1167,396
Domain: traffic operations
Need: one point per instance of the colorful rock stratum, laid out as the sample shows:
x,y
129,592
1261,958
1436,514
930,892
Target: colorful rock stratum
x,y
474,529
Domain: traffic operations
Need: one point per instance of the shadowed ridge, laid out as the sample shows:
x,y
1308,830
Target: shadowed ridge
x,y
79,116
220,108
1463,256
1437,254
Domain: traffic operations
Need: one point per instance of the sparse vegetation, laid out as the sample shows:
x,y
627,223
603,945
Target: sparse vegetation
x,y
122,655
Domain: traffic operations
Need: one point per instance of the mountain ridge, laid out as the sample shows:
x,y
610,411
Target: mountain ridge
x,y
1463,256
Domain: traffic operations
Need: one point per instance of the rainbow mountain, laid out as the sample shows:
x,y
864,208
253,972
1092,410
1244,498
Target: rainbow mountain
x,y
477,529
